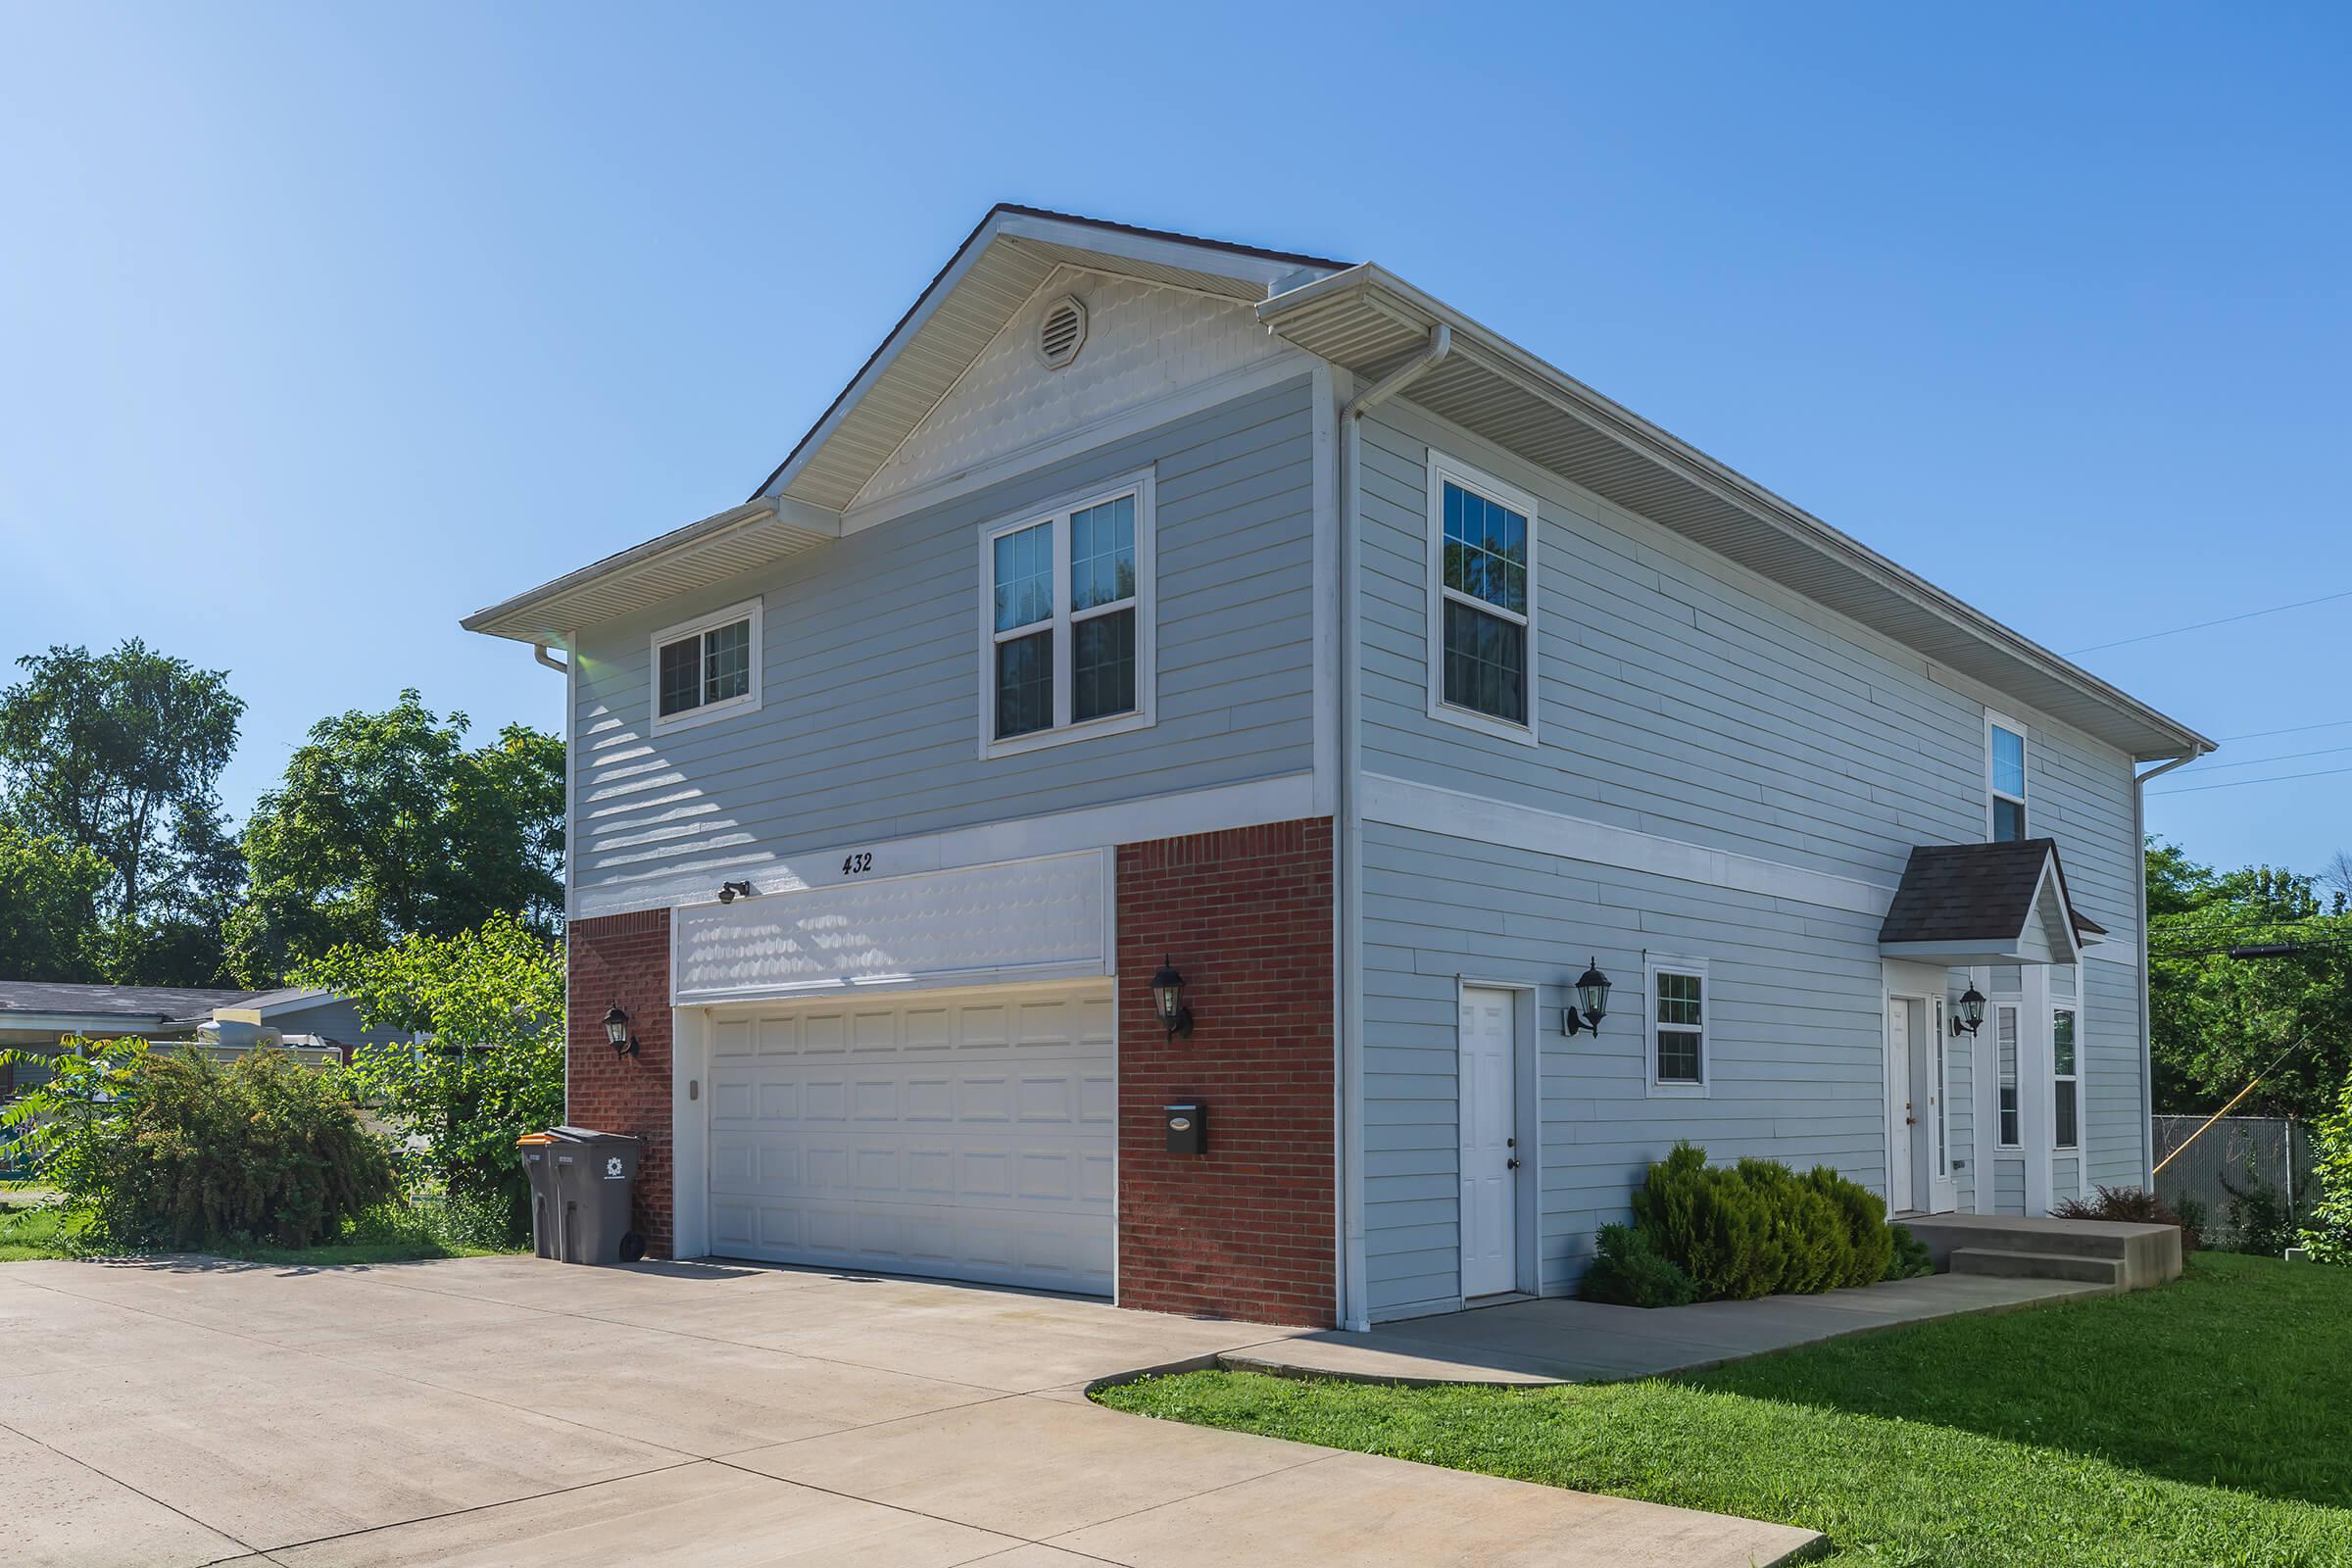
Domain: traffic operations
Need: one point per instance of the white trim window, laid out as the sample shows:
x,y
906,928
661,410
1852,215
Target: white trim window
x,y
1676,989
1482,602
2004,779
2066,1082
1065,620
2011,1131
707,668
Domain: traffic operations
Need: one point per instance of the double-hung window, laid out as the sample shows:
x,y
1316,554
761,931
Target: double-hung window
x,y
2066,1114
2005,763
2004,1027
1482,602
1678,1005
1066,621
705,669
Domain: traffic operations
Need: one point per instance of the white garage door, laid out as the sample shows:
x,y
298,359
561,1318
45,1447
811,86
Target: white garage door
x,y
967,1135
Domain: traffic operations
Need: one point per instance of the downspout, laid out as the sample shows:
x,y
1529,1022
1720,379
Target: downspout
x,y
539,651
2148,1020
1355,1291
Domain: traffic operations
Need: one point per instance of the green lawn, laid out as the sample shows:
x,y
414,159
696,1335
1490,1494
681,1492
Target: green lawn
x,y
2206,1422
49,1230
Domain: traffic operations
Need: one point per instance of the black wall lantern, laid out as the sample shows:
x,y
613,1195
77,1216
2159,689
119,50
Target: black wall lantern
x,y
1969,1017
729,892
1592,998
616,1033
1167,1000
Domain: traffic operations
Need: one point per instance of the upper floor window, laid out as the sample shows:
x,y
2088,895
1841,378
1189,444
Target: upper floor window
x,y
1066,621
2005,761
1482,589
708,668
1678,1003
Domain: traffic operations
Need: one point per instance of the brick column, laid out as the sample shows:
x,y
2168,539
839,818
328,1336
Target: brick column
x,y
1244,1230
624,959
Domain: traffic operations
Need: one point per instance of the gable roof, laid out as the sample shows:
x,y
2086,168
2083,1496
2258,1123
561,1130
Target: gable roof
x,y
1979,903
1367,320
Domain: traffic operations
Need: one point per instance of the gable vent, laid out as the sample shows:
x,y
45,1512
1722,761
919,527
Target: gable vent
x,y
1061,333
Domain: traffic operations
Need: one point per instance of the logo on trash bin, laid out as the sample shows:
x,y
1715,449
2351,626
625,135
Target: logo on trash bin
x,y
612,1168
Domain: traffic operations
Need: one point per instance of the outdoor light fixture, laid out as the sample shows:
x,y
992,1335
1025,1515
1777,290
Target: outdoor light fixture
x,y
616,1033
1592,998
1969,1017
729,892
1167,1000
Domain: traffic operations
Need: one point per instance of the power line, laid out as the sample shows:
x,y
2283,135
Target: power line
x,y
2240,783
2256,761
2292,729
2175,632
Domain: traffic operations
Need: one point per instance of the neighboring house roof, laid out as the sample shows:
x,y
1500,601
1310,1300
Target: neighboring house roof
x,y
1985,903
160,1004
1372,323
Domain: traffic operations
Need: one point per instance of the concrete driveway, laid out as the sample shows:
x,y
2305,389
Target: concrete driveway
x,y
506,1410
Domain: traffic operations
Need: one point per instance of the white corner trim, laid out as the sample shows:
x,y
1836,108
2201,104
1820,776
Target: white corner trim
x,y
1443,470
1432,808
705,712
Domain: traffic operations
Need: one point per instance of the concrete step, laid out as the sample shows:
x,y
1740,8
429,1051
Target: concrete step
x,y
2005,1263
2071,1238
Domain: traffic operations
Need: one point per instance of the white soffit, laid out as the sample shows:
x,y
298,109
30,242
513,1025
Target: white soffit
x,y
1371,322
1040,919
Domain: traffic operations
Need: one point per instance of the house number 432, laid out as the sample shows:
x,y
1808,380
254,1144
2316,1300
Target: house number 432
x,y
857,864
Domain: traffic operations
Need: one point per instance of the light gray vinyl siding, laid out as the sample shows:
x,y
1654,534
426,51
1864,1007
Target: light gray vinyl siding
x,y
2008,1185
337,1020
1960,1104
2114,1095
1795,1049
2066,1179
868,727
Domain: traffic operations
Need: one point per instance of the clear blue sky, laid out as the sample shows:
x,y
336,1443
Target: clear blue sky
x,y
321,327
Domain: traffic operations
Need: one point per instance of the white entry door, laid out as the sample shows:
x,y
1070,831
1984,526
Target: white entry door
x,y
1902,1115
969,1135
1490,1124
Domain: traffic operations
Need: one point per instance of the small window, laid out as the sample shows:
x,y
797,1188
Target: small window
x,y
2004,1024
2005,749
1482,588
2066,1099
1678,1055
1066,611
706,668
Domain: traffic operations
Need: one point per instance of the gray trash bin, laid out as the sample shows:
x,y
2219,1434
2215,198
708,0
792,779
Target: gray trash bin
x,y
595,1175
538,1153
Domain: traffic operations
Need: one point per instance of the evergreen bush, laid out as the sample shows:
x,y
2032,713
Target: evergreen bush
x,y
1907,1257
1756,1228
1869,1239
1629,1272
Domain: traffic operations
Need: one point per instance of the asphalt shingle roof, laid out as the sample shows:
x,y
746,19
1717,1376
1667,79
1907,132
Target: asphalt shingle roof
x,y
173,1003
1974,893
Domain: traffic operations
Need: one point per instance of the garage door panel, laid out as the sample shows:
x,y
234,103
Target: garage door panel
x,y
967,1137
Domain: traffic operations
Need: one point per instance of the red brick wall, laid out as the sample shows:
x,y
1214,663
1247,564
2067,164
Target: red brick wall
x,y
624,959
1244,1230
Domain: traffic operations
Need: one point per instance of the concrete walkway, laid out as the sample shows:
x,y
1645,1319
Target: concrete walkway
x,y
1553,1341
508,1411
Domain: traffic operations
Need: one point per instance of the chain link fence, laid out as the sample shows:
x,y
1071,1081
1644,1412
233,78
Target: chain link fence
x,y
2249,1178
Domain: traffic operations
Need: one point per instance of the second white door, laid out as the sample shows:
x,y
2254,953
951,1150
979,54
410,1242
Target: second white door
x,y
1490,1124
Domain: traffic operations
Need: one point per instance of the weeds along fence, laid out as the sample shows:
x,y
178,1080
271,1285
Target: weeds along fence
x,y
2245,1174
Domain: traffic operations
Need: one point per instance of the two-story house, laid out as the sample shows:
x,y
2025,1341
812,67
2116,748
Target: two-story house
x,y
1155,616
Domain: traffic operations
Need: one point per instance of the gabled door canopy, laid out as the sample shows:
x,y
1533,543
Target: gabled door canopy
x,y
1968,903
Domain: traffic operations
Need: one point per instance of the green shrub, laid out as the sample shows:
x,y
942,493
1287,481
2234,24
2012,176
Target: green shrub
x,y
1629,1272
2132,1203
1758,1228
1869,1239
1709,1223
177,1151
1907,1257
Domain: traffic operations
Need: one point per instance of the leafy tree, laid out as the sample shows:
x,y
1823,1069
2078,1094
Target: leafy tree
x,y
387,827
109,750
489,1005
49,893
2217,1022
